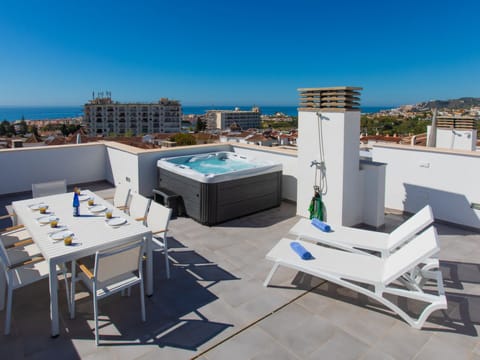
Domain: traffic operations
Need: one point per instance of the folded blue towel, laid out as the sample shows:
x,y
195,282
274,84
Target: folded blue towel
x,y
301,251
321,225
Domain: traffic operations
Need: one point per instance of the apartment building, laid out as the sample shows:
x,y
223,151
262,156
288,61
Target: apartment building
x,y
224,119
105,117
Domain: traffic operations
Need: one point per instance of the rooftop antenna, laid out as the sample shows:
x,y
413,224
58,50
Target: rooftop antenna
x,y
93,95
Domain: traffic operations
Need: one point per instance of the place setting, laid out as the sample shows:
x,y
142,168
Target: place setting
x,y
61,233
114,221
40,207
64,234
48,219
82,197
97,209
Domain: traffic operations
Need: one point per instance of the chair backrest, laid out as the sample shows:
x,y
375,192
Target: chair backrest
x,y
158,217
411,254
122,193
49,188
119,260
139,205
411,227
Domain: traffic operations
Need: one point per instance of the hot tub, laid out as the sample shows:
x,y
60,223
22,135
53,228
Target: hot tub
x,y
216,187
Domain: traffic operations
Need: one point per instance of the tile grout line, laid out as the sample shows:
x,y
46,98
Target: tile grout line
x,y
256,321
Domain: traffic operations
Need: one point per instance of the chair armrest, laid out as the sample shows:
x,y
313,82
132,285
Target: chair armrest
x,y
6,216
158,232
30,261
20,243
85,269
108,198
11,228
140,218
122,207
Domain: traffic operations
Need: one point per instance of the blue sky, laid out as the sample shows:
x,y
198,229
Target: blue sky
x,y
237,52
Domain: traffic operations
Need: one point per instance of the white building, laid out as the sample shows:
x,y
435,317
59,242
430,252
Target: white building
x,y
223,119
105,117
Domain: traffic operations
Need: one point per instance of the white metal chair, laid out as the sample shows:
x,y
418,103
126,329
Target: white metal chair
x,y
157,220
115,270
371,275
13,233
18,243
121,196
138,207
21,273
11,214
49,188
17,240
20,247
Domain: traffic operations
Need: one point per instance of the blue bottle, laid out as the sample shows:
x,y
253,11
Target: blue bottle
x,y
76,205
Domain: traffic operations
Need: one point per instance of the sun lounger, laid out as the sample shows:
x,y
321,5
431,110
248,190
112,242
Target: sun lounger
x,y
371,275
359,240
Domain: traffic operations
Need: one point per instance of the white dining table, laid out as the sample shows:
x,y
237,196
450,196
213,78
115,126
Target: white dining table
x,y
91,234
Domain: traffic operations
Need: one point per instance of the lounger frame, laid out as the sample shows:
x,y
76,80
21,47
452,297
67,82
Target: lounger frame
x,y
382,280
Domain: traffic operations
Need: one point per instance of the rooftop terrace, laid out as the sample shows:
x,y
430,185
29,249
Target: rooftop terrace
x,y
215,306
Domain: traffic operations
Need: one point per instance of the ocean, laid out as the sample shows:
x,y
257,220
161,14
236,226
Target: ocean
x,y
12,113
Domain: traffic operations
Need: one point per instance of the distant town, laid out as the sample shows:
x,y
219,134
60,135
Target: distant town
x,y
162,124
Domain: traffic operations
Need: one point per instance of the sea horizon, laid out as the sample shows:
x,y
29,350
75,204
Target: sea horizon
x,y
45,112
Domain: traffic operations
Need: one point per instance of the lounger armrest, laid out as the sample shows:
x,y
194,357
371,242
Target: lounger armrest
x,y
30,261
85,269
20,243
11,228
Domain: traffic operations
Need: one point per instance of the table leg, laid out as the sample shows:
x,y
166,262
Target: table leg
x,y
53,280
149,269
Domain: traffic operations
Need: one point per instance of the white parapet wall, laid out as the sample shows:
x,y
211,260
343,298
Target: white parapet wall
x,y
138,167
147,162
77,164
448,180
116,163
288,159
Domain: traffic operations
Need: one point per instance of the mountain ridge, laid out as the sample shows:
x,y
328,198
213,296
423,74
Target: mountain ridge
x,y
460,103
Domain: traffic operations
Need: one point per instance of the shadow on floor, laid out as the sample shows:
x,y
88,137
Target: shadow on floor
x,y
463,311
264,218
173,318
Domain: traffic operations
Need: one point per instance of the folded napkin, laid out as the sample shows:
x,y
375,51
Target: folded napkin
x,y
321,225
301,251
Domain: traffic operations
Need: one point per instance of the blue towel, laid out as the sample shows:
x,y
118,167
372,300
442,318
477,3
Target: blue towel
x,y
321,225
300,250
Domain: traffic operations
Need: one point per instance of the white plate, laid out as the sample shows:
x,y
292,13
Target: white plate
x,y
97,208
83,197
37,206
46,219
60,235
117,221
